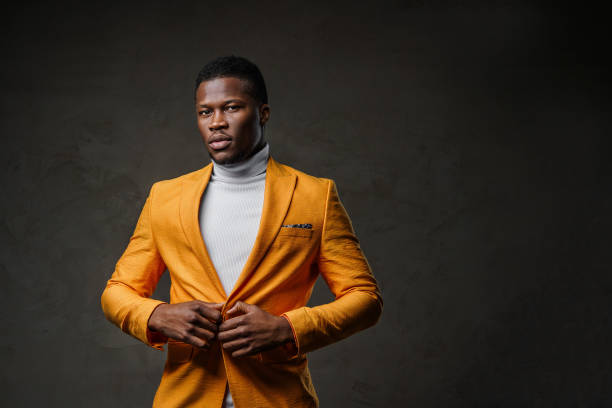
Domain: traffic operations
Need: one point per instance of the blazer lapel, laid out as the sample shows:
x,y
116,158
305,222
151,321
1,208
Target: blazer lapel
x,y
190,221
277,197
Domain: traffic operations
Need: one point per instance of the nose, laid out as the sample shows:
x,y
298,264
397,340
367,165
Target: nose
x,y
217,121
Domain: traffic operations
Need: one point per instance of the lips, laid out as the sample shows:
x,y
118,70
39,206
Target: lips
x,y
219,142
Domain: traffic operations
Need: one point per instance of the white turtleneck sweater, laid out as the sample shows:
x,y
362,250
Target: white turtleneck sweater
x,y
230,212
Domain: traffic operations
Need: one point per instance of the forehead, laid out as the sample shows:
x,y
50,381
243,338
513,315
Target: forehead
x,y
221,89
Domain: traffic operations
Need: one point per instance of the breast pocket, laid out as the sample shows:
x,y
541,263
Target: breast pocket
x,y
295,232
293,238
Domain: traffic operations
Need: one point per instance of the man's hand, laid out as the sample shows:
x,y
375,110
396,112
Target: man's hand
x,y
249,330
194,322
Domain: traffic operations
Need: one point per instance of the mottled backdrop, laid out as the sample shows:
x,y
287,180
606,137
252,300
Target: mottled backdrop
x,y
470,142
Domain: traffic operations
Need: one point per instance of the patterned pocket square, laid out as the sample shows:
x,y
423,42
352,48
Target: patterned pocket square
x,y
305,226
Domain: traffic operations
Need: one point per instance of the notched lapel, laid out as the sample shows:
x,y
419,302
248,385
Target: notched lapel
x,y
191,195
280,185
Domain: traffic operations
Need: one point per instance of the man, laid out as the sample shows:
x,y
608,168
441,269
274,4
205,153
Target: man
x,y
244,239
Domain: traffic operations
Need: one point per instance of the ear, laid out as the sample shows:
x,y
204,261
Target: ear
x,y
264,113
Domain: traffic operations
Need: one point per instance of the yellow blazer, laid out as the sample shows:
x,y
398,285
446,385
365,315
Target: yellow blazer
x,y
278,276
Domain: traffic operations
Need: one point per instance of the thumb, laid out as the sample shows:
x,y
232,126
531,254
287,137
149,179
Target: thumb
x,y
239,308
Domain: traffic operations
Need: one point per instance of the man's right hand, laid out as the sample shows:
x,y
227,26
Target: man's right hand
x,y
194,322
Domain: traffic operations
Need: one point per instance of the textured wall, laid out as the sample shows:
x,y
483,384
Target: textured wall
x,y
470,142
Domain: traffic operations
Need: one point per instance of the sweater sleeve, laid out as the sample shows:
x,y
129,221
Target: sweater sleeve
x,y
341,262
126,299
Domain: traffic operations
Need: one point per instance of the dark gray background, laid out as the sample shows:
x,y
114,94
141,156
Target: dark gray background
x,y
469,142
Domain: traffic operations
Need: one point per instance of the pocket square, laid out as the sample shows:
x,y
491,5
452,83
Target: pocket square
x,y
305,226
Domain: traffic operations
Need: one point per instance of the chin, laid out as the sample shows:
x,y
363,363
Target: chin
x,y
224,158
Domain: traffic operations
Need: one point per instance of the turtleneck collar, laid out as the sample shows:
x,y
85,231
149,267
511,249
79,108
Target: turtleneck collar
x,y
251,167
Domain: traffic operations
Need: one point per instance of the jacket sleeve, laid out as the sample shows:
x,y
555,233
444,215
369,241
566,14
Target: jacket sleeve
x,y
126,299
358,302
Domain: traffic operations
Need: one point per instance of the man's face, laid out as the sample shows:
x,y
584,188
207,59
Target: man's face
x,y
230,120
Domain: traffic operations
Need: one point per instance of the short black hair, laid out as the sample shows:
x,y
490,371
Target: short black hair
x,y
237,67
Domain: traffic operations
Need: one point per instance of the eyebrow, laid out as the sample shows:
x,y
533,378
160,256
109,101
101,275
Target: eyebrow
x,y
225,103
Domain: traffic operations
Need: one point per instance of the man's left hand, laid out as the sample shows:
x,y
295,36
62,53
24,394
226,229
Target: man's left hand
x,y
249,330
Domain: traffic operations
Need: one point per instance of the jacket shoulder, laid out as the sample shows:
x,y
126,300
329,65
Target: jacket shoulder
x,y
305,179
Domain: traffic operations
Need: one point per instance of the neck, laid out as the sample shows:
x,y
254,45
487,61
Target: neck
x,y
251,167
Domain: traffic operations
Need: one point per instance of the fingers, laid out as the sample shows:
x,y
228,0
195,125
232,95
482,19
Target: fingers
x,y
203,327
211,311
237,348
192,320
217,306
198,332
205,335
231,323
232,334
243,352
200,323
196,341
238,309
195,335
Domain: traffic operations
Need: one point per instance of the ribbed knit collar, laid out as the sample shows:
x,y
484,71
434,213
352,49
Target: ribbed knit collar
x,y
241,171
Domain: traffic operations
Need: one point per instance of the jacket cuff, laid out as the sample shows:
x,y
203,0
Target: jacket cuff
x,y
298,319
148,336
291,347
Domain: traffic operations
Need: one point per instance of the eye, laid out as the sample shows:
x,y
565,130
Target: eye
x,y
233,108
204,112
